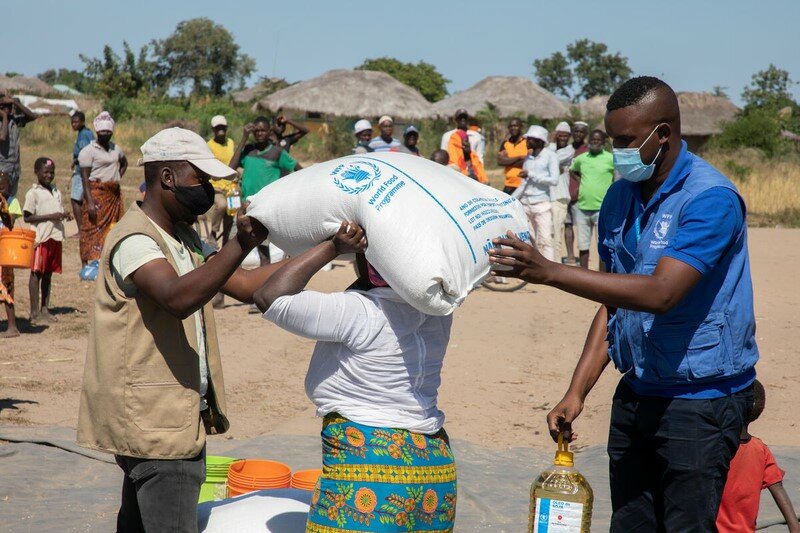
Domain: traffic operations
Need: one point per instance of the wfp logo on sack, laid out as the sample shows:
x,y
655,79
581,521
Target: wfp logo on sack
x,y
355,177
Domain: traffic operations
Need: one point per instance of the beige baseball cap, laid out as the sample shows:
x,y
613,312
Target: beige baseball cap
x,y
218,120
178,144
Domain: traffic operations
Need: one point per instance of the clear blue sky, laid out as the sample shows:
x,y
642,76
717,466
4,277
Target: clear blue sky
x,y
692,44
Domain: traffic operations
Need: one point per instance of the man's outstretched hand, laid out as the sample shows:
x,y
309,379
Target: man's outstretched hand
x,y
524,259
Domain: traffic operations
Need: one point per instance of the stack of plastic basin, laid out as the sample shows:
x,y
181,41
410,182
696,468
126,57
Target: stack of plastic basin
x,y
306,479
249,475
216,477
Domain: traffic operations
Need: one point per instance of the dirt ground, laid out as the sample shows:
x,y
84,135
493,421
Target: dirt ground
x,y
509,361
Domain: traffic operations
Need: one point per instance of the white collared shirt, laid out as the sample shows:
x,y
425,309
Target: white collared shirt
x,y
542,174
41,201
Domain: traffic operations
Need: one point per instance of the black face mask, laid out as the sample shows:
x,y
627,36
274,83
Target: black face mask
x,y
197,199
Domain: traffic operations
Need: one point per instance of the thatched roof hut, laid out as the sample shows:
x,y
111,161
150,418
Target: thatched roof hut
x,y
261,89
23,84
349,93
702,114
49,106
593,108
512,95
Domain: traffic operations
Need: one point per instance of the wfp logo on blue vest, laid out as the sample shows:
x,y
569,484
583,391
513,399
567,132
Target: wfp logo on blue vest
x,y
661,229
355,177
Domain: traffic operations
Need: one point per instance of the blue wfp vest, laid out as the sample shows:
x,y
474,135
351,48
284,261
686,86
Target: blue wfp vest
x,y
705,346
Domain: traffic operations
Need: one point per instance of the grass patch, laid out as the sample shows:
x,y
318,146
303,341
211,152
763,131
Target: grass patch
x,y
770,186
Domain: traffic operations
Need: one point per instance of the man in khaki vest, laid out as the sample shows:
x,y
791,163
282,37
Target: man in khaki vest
x,y
152,386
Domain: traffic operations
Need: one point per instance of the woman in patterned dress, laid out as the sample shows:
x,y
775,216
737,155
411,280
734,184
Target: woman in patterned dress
x,y
374,378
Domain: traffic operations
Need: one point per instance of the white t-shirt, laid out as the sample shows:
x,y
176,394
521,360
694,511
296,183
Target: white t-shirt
x,y
378,361
135,251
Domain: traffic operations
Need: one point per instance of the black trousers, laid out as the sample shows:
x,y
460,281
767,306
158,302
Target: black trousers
x,y
160,495
669,458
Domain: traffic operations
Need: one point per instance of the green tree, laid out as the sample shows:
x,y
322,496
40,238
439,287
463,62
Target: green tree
x,y
267,85
758,129
554,74
204,54
71,78
422,76
769,88
588,69
124,76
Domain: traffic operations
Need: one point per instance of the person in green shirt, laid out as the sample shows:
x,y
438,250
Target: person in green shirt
x,y
595,171
261,161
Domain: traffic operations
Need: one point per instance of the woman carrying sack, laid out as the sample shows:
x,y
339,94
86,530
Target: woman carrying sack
x,y
374,377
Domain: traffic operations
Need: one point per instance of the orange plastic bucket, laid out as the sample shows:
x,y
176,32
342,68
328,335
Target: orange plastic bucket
x,y
257,474
16,247
306,479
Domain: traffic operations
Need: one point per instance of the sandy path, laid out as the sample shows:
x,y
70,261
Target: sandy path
x,y
510,359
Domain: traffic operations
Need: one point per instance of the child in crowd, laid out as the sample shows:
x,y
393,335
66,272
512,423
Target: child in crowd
x,y
44,210
10,211
443,158
752,470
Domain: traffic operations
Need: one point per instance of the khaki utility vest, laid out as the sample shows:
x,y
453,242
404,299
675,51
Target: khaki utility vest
x,y
141,379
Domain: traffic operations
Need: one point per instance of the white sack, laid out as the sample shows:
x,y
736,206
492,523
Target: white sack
x,y
429,227
263,511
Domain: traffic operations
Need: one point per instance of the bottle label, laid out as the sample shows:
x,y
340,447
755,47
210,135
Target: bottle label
x,y
557,515
234,202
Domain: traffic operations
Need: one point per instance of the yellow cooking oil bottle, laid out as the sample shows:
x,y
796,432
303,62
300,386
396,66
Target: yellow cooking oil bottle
x,y
233,199
561,498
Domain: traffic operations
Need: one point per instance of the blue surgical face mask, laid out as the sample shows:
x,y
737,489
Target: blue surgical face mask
x,y
628,162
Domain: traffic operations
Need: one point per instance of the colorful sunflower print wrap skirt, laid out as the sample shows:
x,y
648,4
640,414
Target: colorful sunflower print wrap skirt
x,y
382,480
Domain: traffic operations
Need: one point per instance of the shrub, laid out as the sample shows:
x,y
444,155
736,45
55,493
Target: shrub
x,y
738,171
756,129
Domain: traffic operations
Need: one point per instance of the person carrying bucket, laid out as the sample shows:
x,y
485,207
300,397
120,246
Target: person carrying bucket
x,y
374,378
44,210
10,211
152,383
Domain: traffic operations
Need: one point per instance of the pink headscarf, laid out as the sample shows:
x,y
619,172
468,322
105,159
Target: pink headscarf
x,y
375,278
104,122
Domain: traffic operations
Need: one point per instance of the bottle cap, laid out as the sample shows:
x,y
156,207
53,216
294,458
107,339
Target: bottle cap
x,y
564,457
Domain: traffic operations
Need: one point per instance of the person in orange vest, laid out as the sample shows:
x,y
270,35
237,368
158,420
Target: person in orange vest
x,y
512,154
461,153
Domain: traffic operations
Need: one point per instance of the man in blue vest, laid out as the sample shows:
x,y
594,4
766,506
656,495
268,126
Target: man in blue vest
x,y
676,318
